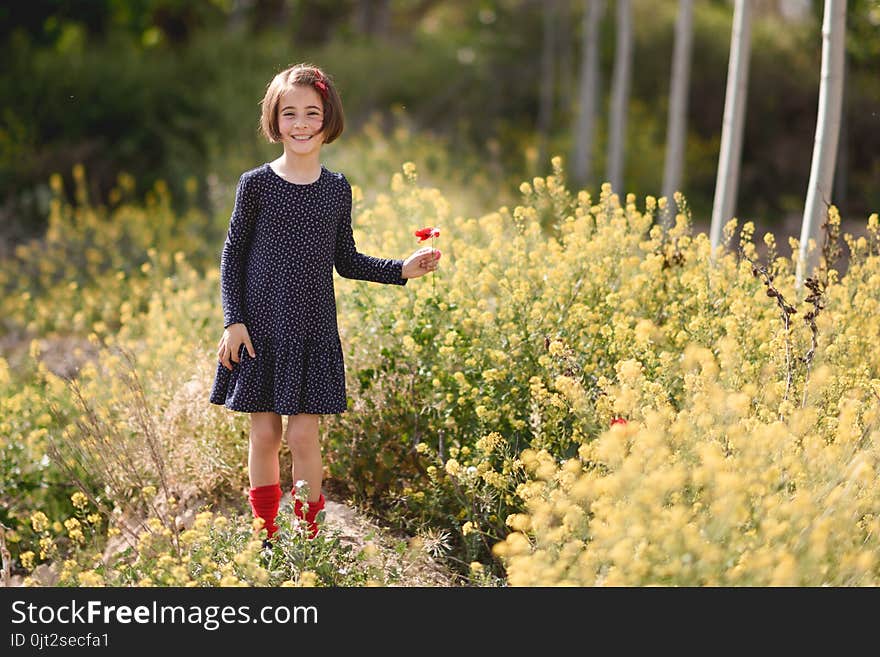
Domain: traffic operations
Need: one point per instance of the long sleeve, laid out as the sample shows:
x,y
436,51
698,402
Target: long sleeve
x,y
234,256
351,264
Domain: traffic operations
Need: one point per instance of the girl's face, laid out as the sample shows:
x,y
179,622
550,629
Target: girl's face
x,y
301,119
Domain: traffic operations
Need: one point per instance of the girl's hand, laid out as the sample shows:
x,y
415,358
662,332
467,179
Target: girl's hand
x,y
234,336
420,262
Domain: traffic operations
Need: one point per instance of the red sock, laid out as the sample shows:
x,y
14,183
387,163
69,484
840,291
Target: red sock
x,y
264,503
311,514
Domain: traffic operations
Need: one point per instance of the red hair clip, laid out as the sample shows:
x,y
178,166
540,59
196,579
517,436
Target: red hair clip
x,y
322,87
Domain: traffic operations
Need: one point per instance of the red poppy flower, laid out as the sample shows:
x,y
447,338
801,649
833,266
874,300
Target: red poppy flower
x,y
618,420
428,232
423,234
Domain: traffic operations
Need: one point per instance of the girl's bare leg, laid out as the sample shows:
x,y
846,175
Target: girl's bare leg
x,y
305,451
265,442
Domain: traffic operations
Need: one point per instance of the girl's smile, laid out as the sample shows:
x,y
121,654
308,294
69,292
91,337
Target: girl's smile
x,y
301,120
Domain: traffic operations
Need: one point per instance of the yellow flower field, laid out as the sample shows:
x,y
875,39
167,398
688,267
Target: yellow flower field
x,y
481,401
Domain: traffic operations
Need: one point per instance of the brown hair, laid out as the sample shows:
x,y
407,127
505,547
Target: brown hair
x,y
307,76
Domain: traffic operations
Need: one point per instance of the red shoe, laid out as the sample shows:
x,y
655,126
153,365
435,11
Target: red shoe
x,y
310,516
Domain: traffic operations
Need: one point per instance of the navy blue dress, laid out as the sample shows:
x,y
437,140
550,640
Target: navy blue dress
x,y
276,277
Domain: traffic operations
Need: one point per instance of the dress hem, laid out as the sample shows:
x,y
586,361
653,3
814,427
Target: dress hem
x,y
272,410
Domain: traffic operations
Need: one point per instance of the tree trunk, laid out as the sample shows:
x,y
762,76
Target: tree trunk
x,y
566,74
841,169
382,18
547,86
362,17
676,126
268,13
827,131
620,96
588,92
727,179
372,18
236,19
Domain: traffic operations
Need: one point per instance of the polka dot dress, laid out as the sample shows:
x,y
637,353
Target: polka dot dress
x,y
276,277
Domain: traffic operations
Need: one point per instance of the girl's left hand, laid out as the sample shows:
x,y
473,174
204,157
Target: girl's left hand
x,y
421,262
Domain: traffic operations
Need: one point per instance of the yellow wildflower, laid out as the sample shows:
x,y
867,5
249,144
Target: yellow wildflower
x,y
453,468
27,559
39,521
89,578
308,579
79,499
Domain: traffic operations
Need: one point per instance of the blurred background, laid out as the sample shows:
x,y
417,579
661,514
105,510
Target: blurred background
x,y
479,94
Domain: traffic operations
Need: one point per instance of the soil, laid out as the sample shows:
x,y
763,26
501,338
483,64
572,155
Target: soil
x,y
414,567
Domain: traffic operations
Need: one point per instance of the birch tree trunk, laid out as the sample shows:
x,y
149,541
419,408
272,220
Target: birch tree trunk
x,y
727,179
841,168
547,83
620,85
676,125
827,131
588,91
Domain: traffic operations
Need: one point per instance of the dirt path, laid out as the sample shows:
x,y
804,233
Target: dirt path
x,y
413,566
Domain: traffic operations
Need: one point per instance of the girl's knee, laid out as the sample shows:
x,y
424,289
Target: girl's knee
x,y
299,442
302,427
265,440
265,430
302,441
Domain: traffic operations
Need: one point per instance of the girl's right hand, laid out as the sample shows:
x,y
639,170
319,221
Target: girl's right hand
x,y
234,336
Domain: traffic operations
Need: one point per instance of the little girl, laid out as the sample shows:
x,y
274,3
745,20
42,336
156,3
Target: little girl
x,y
280,353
